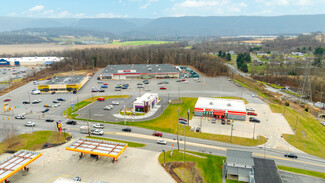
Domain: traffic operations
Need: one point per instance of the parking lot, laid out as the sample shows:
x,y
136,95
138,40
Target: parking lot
x,y
57,162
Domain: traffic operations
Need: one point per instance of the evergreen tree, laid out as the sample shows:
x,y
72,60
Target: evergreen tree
x,y
228,57
220,53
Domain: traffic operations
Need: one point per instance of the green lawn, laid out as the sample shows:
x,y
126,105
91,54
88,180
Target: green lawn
x,y
135,43
130,144
32,141
301,171
314,140
210,167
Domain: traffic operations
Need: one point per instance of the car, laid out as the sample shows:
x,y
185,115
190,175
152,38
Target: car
x,y
53,92
254,95
101,99
251,113
118,86
162,142
182,122
228,122
183,79
250,109
108,107
160,83
49,120
45,110
57,105
20,116
101,90
252,119
198,129
30,124
165,82
49,78
163,88
115,103
223,122
127,129
104,86
117,89
323,123
94,90
98,125
26,102
71,122
145,82
182,119
60,99
127,85
124,87
155,133
7,100
140,86
77,179
100,82
97,132
35,102
179,80
290,155
54,101
213,120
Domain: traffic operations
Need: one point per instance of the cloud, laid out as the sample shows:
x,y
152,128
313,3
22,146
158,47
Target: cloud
x,y
198,4
110,15
282,2
37,8
145,6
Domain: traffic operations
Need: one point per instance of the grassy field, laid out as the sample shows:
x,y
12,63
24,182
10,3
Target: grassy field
x,y
209,166
301,171
309,135
130,144
169,118
32,141
136,43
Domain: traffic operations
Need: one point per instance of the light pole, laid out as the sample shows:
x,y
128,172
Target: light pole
x,y
164,158
124,116
254,131
232,126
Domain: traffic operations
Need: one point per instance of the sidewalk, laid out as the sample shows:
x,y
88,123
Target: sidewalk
x,y
150,113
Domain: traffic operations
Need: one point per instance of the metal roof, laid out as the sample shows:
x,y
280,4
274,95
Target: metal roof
x,y
221,104
97,147
139,68
59,80
237,158
16,162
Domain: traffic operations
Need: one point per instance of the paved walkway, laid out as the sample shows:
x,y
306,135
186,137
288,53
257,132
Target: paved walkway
x,y
150,113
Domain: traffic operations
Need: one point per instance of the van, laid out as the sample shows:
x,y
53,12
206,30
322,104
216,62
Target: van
x,y
36,92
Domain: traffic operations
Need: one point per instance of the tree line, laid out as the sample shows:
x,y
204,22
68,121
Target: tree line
x,y
156,54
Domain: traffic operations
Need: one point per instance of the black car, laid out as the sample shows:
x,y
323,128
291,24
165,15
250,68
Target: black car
x,y
61,99
252,119
54,101
25,102
71,122
198,129
126,129
45,110
35,102
290,155
101,90
223,121
49,120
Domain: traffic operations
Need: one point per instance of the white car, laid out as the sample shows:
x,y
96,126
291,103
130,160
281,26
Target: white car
x,y
57,105
250,109
323,123
97,132
98,125
161,141
30,124
108,107
20,116
254,95
115,103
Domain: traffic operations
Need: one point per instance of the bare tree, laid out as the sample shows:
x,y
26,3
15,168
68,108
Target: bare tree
x,y
9,133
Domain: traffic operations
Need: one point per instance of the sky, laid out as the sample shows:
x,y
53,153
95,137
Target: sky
x,y
157,8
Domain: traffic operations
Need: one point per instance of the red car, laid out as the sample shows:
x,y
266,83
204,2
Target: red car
x,y
53,92
251,113
49,78
101,99
182,119
183,80
105,84
6,100
158,134
163,88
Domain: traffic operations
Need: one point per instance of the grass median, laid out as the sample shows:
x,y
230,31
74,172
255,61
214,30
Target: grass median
x,y
309,136
209,166
32,141
130,144
301,171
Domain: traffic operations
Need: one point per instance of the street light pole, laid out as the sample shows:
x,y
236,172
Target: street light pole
x,y
232,126
254,131
124,116
164,158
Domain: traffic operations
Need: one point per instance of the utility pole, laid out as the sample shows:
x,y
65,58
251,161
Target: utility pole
x,y
232,125
124,116
254,131
177,129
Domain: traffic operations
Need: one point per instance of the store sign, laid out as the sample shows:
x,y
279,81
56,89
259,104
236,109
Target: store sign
x,y
126,71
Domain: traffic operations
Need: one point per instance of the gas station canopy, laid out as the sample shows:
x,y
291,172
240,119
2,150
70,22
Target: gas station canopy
x,y
16,162
97,147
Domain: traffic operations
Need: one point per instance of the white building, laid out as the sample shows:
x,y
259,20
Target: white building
x,y
146,102
220,108
32,61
